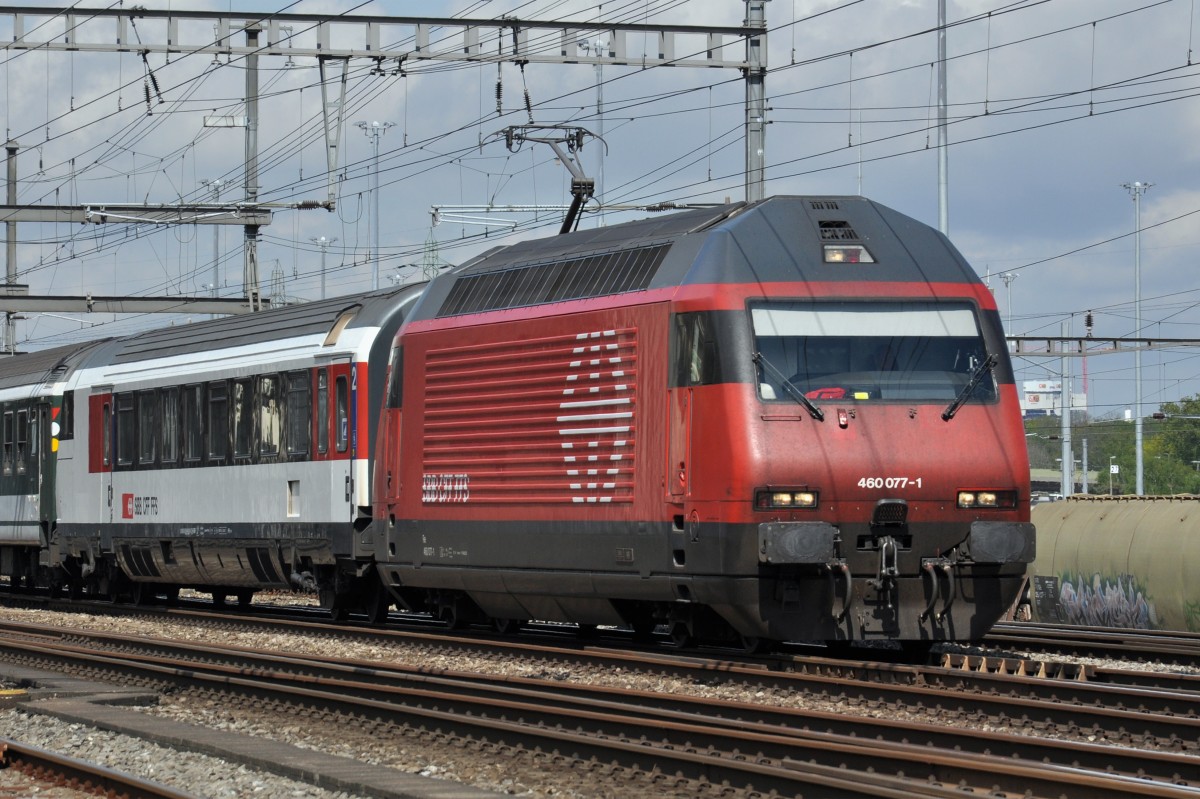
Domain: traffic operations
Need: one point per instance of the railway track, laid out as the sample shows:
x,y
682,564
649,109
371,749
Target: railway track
x,y
703,740
45,770
1175,646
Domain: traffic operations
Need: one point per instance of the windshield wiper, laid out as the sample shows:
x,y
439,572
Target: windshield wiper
x,y
976,376
796,393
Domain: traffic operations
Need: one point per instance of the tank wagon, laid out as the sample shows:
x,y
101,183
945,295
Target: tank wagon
x,y
788,420
228,455
1123,561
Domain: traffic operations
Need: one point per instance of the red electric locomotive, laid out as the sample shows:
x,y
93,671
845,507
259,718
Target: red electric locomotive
x,y
787,420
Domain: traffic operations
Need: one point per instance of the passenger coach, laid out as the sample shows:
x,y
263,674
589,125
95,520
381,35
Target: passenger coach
x,y
228,455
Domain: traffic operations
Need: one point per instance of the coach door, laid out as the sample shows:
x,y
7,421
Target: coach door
x,y
336,423
103,423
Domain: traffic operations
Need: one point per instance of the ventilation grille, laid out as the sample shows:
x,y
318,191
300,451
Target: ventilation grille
x,y
557,281
837,231
540,420
823,205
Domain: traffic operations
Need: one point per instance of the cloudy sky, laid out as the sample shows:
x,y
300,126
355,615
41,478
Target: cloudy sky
x,y
1053,106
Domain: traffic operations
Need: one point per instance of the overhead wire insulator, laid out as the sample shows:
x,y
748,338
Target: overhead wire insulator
x,y
499,95
157,91
528,102
146,89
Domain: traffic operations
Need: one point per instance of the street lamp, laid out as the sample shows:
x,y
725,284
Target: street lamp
x,y
1068,475
1137,188
1008,278
323,243
374,131
216,186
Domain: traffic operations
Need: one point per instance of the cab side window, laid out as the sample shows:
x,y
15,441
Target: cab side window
x,y
694,350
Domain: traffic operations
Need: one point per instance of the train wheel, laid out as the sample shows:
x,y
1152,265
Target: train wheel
x,y
508,626
245,599
143,594
451,617
753,645
643,631
378,603
682,636
218,600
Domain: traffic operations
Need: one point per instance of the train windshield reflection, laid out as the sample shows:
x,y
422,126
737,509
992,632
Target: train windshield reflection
x,y
870,350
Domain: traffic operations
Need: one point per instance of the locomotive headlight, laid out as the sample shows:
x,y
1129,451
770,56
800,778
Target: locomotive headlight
x,y
771,499
987,499
847,254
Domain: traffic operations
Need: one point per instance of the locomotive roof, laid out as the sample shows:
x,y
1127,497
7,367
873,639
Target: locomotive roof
x,y
292,321
780,239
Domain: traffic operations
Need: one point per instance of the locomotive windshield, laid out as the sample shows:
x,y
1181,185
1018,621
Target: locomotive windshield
x,y
869,350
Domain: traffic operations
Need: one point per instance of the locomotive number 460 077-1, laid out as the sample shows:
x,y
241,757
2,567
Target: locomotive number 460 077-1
x,y
889,482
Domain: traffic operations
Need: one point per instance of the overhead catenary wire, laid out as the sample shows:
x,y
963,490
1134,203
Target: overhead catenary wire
x,y
424,169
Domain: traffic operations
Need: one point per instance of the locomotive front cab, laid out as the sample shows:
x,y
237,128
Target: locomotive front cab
x,y
889,482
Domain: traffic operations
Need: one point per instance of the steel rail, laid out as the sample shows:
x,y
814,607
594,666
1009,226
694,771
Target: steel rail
x,y
1172,645
47,766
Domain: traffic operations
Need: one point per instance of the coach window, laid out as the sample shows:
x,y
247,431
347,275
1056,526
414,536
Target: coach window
x,y
342,431
169,403
37,420
105,433
147,426
322,411
243,418
22,440
299,413
66,417
8,442
270,416
126,430
193,429
218,422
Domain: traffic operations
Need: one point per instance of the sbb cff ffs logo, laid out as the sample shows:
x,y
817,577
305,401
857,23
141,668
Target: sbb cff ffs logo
x,y
133,505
